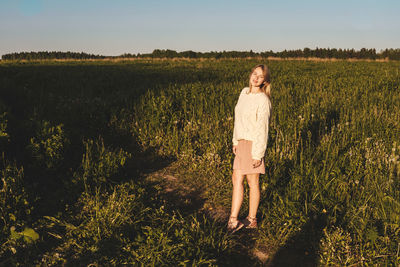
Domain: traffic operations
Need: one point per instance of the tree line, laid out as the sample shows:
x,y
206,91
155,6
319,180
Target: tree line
x,y
363,53
50,55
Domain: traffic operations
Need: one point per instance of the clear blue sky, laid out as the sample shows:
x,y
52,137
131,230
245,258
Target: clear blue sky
x,y
114,27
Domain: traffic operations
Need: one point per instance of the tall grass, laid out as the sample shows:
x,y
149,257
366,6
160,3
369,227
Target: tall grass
x,y
331,186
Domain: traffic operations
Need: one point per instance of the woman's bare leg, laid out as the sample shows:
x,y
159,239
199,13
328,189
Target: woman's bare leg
x,y
237,192
254,199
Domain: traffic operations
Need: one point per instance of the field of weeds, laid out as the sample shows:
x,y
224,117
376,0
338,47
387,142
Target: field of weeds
x,y
129,162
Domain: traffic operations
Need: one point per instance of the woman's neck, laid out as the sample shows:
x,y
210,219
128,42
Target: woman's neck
x,y
255,89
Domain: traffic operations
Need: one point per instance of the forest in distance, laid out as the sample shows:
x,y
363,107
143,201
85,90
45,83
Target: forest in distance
x,y
324,53
130,162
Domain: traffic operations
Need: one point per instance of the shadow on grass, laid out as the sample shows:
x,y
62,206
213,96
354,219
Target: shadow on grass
x,y
317,127
62,94
303,247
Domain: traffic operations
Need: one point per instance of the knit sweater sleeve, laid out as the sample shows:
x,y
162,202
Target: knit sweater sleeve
x,y
261,134
234,140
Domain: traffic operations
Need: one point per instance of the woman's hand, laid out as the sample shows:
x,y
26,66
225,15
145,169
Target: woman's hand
x,y
234,149
256,163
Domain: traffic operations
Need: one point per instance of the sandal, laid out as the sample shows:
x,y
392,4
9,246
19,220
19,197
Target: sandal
x,y
250,222
234,224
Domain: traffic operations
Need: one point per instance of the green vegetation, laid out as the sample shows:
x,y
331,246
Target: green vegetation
x,y
363,53
84,147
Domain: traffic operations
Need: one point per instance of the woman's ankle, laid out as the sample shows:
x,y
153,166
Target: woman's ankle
x,y
233,218
251,218
250,222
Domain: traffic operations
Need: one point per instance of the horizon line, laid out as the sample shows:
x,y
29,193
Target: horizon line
x,y
210,51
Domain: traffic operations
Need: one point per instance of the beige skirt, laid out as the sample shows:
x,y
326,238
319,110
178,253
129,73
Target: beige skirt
x,y
243,160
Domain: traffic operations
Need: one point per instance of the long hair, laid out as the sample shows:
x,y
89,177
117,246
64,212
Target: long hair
x,y
266,85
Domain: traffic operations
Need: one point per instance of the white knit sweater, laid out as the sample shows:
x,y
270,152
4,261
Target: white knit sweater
x,y
252,113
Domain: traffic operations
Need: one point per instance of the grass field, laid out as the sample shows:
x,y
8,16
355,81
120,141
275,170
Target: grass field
x,y
129,162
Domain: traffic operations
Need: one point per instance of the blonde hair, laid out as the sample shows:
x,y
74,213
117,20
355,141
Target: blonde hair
x,y
266,85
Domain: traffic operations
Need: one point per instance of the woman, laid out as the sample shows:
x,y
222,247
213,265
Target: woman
x,y
250,136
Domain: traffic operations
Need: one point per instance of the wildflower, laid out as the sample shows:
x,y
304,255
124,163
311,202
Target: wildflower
x,y
393,159
263,187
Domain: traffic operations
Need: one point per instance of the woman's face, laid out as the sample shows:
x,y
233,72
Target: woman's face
x,y
257,77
